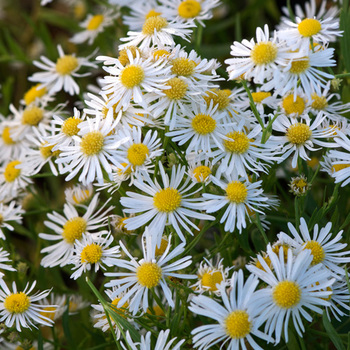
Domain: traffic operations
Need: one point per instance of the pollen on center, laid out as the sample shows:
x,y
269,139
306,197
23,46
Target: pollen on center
x,y
149,274
167,200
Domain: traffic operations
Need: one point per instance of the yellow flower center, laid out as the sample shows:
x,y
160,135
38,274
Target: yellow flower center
x,y
46,151
286,294
70,126
264,53
91,254
92,143
337,167
123,54
318,102
17,303
154,23
300,183
152,13
119,310
32,116
183,66
1,219
73,229
236,192
298,133
167,200
219,97
238,143
259,96
178,89
157,311
300,66
309,27
149,274
201,173
66,64
137,154
290,106
95,22
163,245
317,252
126,169
160,53
267,260
329,289
189,8
203,124
276,250
81,197
237,324
211,278
132,76
6,136
49,312
33,93
11,173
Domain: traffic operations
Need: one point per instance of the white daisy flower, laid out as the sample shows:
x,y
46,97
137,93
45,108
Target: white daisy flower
x,y
201,126
293,286
325,249
261,99
237,321
170,204
60,74
199,168
92,251
93,25
295,105
240,195
157,30
94,149
78,194
21,309
4,260
299,136
76,303
147,273
145,343
69,228
19,346
36,95
9,212
56,311
130,82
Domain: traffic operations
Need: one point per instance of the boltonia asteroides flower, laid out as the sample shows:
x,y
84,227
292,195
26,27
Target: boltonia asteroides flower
x,y
9,212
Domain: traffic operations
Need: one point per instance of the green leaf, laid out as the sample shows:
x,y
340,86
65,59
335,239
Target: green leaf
x,y
333,335
65,325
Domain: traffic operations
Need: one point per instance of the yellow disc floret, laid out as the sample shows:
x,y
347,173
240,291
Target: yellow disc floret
x,y
219,97
210,279
183,66
201,173
309,27
189,8
298,133
73,229
149,274
157,54
291,105
92,143
264,53
119,310
32,116
33,93
91,254
11,173
203,124
259,96
70,126
236,192
300,66
237,324
286,294
6,136
50,312
163,246
123,54
132,75
152,13
167,200
46,151
154,23
337,167
137,154
95,22
317,251
66,64
178,89
238,142
318,102
17,303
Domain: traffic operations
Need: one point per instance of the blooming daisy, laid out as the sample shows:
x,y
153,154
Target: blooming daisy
x,y
21,309
164,205
293,285
78,194
325,249
199,168
93,25
93,147
91,250
36,94
299,185
76,303
3,262
261,99
295,105
60,74
69,228
147,273
9,212
145,343
240,195
237,321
